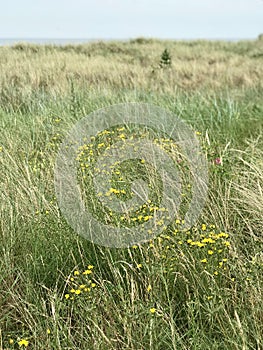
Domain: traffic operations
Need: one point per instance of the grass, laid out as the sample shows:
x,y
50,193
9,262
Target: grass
x,y
194,289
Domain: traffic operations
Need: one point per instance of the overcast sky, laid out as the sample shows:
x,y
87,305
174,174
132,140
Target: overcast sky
x,y
123,19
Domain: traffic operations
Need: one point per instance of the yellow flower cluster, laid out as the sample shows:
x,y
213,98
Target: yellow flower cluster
x,y
122,173
209,247
80,284
22,343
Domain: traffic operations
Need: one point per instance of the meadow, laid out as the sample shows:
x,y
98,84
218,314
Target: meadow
x,y
200,288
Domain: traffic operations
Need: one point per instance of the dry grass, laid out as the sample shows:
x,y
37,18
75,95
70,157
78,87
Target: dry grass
x,y
195,65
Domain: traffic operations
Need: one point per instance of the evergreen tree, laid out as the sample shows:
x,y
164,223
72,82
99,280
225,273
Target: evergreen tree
x,y
165,59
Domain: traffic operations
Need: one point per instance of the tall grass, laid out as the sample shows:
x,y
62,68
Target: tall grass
x,y
161,294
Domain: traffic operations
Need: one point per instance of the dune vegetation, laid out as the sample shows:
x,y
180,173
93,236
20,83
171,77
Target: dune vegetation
x,y
200,288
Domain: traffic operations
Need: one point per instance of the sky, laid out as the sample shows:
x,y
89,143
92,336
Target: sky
x,y
125,19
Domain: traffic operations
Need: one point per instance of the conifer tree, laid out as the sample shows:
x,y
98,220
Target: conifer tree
x,y
165,59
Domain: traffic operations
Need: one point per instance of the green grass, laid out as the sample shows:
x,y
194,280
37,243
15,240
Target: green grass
x,y
182,290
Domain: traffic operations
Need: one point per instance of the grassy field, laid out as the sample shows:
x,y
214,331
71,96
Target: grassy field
x,y
195,289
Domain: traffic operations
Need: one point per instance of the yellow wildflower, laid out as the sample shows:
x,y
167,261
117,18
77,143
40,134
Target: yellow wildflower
x,y
23,342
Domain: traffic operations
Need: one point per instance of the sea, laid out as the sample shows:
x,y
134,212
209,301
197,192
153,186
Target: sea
x,y
76,41
45,41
